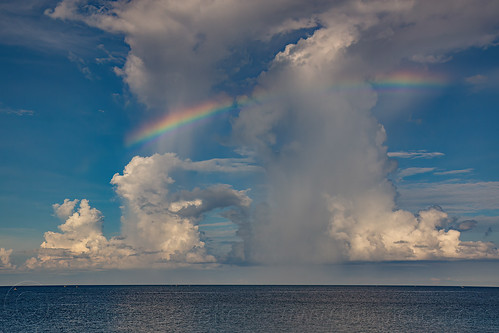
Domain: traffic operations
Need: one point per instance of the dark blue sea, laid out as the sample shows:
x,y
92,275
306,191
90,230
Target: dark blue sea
x,y
248,309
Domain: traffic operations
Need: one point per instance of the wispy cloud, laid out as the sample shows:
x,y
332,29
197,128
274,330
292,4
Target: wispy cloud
x,y
22,23
454,197
111,57
81,64
453,172
415,154
476,79
17,112
217,224
413,171
478,82
431,59
224,165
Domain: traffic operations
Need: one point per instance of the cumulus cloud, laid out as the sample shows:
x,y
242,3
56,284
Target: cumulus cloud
x,y
159,227
154,219
80,244
399,235
328,197
5,258
66,209
322,151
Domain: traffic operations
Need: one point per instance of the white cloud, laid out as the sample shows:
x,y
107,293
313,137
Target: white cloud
x,y
328,197
454,172
430,59
224,165
480,82
375,234
183,204
429,32
159,228
412,171
323,152
5,259
20,25
216,224
81,64
202,33
477,79
148,223
66,209
414,154
80,230
291,24
162,75
80,244
17,112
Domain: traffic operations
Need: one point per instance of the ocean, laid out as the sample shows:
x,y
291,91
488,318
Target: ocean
x,y
248,309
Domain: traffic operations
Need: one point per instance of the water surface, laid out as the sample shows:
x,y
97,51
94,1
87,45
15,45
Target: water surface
x,y
248,309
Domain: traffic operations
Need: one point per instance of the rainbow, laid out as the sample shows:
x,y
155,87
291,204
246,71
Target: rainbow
x,y
177,119
405,80
401,81
395,82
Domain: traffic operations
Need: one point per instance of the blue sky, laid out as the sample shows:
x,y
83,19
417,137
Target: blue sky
x,y
368,152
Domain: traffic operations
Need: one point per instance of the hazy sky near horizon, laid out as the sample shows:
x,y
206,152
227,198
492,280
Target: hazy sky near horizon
x,y
249,142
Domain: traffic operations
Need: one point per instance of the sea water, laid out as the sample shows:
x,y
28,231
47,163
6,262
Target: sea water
x,y
248,309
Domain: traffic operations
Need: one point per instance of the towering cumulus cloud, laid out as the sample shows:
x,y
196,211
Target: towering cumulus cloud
x,y
310,127
329,198
155,221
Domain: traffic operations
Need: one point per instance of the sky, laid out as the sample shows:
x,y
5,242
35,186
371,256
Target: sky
x,y
249,142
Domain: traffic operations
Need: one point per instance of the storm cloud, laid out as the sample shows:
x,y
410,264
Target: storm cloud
x,y
310,130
